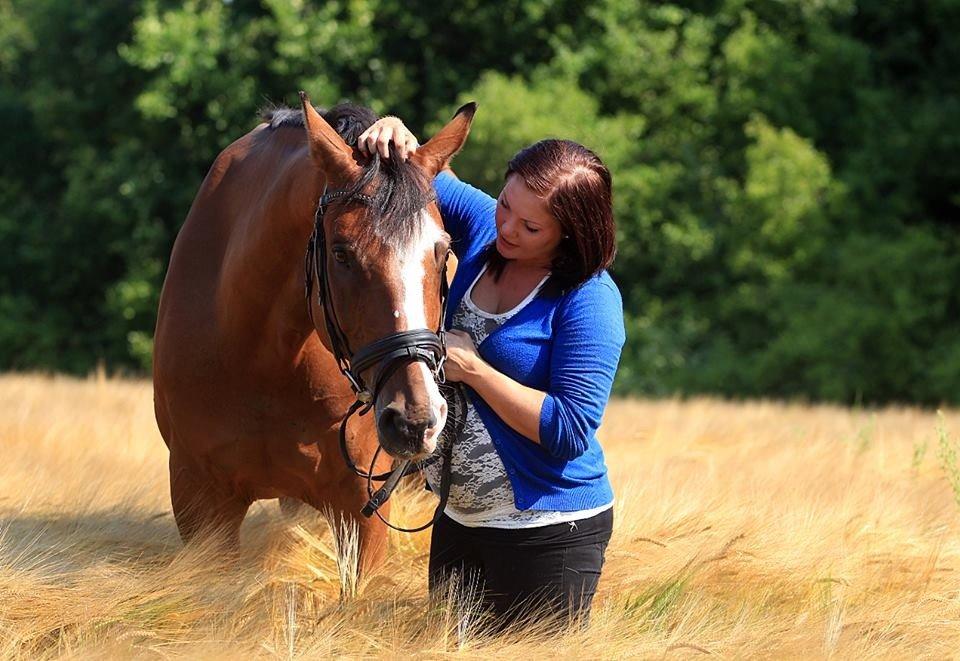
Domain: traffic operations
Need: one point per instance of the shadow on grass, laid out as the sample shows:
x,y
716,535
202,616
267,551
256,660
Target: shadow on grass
x,y
78,541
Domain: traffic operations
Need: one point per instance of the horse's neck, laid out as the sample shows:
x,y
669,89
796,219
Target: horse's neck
x,y
262,290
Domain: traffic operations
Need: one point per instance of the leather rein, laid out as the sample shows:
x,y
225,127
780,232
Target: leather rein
x,y
388,354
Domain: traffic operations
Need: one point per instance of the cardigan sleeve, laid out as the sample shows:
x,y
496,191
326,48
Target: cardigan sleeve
x,y
469,214
588,338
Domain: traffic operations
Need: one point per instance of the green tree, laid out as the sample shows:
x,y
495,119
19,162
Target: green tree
x,y
784,179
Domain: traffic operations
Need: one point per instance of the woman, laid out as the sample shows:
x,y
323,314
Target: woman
x,y
535,333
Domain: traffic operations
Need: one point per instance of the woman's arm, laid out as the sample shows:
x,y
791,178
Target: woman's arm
x,y
517,405
468,214
588,338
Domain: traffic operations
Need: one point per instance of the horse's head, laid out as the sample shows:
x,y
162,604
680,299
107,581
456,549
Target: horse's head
x,y
380,254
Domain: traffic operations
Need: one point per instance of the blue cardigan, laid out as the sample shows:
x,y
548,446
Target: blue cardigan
x,y
567,346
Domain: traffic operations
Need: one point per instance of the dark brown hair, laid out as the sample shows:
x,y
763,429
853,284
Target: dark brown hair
x,y
577,189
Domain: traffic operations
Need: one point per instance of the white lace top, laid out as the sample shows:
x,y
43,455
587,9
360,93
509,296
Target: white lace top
x,y
480,491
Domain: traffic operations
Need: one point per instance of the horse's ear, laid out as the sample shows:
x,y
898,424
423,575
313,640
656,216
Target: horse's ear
x,y
327,148
437,152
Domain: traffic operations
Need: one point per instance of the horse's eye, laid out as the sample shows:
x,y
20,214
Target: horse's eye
x,y
340,256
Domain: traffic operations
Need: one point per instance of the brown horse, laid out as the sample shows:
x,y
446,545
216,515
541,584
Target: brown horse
x,y
247,393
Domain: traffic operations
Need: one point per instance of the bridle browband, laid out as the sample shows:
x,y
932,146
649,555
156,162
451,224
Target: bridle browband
x,y
389,354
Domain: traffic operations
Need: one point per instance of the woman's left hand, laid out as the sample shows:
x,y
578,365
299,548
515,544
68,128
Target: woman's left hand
x,y
463,359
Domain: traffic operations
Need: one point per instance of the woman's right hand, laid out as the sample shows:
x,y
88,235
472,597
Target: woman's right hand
x,y
381,133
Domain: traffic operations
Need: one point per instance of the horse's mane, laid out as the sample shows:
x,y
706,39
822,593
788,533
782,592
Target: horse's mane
x,y
348,119
400,189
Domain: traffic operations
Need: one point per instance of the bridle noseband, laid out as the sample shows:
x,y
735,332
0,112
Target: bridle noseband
x,y
387,354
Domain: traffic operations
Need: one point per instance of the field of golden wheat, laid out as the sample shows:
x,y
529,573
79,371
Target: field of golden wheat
x,y
747,530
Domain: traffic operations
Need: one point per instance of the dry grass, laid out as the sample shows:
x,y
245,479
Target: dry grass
x,y
754,530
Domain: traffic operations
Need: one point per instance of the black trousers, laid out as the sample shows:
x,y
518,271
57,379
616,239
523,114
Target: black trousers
x,y
517,573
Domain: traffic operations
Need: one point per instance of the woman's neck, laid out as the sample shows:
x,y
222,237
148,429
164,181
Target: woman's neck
x,y
524,267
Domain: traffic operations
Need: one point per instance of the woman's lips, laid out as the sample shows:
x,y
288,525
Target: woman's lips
x,y
505,242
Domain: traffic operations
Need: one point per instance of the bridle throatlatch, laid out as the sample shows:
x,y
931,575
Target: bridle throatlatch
x,y
387,354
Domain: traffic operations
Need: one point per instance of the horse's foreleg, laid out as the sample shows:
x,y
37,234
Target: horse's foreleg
x,y
361,542
343,495
373,540
203,507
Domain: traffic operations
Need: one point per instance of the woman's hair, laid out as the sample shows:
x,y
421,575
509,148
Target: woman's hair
x,y
577,189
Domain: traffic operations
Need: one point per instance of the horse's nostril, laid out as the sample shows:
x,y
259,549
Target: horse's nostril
x,y
400,435
391,422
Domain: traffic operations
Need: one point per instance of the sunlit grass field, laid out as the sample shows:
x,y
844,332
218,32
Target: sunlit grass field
x,y
754,530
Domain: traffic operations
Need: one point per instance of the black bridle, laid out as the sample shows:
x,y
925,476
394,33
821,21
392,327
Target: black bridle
x,y
389,354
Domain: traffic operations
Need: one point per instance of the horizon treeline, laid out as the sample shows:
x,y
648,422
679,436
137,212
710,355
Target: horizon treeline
x,y
786,172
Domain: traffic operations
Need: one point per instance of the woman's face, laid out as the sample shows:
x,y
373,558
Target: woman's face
x,y
526,230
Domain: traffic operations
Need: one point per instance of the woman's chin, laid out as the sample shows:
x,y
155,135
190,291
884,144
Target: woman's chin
x,y
504,249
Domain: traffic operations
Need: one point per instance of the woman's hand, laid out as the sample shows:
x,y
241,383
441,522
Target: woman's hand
x,y
463,360
381,133
517,405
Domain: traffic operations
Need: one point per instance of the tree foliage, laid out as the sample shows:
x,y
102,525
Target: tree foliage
x,y
786,189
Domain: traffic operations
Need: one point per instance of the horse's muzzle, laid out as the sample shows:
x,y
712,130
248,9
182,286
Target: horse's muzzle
x,y
407,436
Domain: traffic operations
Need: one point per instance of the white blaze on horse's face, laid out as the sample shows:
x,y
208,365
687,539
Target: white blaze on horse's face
x,y
412,315
413,273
